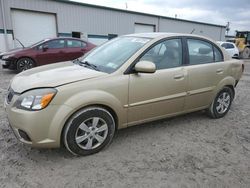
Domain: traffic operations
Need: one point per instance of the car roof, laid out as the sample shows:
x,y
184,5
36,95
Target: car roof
x,y
72,38
164,34
222,42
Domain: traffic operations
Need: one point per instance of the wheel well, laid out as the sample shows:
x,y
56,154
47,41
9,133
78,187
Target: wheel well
x,y
110,110
232,88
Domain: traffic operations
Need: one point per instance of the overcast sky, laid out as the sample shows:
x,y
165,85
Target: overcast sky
x,y
237,12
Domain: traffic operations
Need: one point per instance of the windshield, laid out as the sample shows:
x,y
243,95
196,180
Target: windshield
x,y
111,55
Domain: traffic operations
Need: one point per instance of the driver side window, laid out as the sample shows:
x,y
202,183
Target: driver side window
x,y
53,44
166,54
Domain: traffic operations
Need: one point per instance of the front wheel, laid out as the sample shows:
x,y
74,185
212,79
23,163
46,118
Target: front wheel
x,y
25,63
89,131
221,104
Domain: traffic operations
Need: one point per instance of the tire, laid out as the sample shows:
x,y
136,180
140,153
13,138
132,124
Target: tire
x,y
25,63
89,131
221,104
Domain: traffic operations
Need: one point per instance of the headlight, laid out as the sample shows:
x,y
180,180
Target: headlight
x,y
8,56
37,99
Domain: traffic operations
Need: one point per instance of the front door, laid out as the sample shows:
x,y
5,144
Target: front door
x,y
51,52
156,95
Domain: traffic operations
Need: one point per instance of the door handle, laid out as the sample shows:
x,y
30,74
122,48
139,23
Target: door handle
x,y
219,71
179,76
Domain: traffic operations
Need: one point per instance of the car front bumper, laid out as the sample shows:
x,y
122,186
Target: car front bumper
x,y
38,128
8,63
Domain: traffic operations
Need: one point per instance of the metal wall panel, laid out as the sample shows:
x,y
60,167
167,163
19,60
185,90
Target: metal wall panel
x,y
216,33
102,21
1,18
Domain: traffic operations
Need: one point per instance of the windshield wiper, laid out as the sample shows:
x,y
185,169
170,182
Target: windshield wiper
x,y
86,63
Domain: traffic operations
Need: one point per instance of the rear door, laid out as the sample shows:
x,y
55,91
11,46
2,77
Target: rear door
x,y
205,70
75,49
51,52
162,93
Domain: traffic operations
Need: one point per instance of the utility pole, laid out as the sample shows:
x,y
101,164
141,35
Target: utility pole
x,y
228,27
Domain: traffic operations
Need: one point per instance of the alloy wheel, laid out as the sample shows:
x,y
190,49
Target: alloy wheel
x,y
91,133
223,102
25,64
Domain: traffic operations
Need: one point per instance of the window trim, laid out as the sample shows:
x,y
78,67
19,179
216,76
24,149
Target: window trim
x,y
130,69
204,40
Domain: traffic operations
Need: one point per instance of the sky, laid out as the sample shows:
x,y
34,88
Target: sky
x,y
236,12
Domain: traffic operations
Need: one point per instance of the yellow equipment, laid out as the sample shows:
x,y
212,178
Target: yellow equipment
x,y
242,41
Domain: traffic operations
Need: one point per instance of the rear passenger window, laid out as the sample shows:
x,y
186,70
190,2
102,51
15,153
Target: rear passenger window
x,y
200,52
217,55
83,44
74,44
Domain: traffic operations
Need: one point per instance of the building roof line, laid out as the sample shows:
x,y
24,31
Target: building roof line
x,y
135,12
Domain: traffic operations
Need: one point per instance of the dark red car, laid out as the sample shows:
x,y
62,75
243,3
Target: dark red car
x,y
45,52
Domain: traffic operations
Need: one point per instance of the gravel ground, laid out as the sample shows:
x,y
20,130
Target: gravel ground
x,y
186,151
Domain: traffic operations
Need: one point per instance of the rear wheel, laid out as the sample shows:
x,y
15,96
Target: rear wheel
x,y
89,131
221,103
24,64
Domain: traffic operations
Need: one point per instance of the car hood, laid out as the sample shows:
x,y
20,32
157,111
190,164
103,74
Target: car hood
x,y
52,76
12,51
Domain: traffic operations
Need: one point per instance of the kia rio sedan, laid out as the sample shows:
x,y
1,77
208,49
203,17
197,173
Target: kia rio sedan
x,y
129,80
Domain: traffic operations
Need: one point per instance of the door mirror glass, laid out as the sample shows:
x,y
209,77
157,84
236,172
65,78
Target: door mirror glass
x,y
145,67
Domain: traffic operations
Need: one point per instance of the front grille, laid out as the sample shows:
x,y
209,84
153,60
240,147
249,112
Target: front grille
x,y
10,95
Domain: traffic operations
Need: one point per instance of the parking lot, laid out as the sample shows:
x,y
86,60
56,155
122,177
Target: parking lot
x,y
186,151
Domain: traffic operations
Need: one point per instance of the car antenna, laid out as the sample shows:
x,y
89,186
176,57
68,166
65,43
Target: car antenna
x,y
192,31
19,42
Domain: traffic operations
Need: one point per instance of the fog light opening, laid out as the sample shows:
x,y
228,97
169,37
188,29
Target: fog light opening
x,y
24,135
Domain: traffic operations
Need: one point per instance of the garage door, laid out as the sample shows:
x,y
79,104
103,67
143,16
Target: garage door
x,y
143,28
30,27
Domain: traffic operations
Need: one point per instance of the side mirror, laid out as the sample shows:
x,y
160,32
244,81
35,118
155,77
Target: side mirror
x,y
145,67
45,47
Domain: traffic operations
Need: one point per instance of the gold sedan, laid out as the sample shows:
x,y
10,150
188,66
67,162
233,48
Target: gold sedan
x,y
129,80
